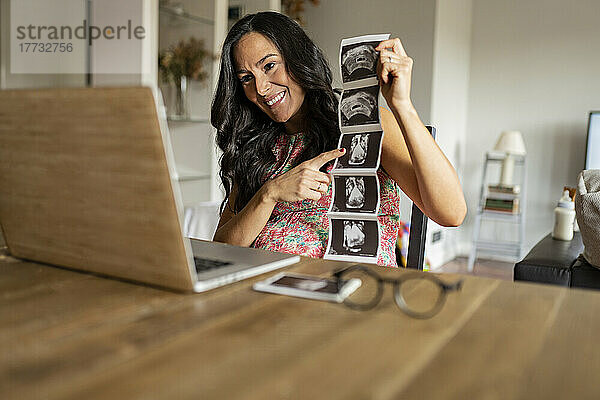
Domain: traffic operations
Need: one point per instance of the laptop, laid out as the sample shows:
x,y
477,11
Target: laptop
x,y
87,181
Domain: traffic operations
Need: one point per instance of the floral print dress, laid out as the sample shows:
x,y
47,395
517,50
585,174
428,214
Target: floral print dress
x,y
302,227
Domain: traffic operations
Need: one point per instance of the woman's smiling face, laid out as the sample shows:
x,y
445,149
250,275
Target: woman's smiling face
x,y
261,70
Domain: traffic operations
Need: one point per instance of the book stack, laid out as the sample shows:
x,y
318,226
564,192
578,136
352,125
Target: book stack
x,y
503,199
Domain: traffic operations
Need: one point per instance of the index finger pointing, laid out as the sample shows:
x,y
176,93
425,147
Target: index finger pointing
x,y
324,158
394,44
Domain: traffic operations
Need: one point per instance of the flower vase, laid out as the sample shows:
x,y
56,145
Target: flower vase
x,y
182,98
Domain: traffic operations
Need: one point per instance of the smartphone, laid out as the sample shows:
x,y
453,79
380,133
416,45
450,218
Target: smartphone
x,y
309,287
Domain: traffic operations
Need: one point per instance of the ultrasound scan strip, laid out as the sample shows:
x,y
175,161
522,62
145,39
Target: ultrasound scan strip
x,y
363,151
350,197
359,109
354,230
358,60
355,240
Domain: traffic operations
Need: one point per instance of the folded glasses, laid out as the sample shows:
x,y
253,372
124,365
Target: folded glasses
x,y
420,295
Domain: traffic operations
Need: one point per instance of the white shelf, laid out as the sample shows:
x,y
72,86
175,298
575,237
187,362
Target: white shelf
x,y
500,246
188,178
192,138
188,120
186,174
499,215
499,157
502,196
486,218
180,13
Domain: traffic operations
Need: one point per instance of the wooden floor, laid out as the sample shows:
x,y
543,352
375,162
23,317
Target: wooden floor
x,y
486,268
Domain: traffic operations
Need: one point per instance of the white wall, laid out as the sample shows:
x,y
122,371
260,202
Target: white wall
x,y
450,81
449,102
254,6
534,68
146,53
9,80
412,21
148,62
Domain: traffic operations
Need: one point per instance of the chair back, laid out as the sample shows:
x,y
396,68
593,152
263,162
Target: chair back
x,y
418,232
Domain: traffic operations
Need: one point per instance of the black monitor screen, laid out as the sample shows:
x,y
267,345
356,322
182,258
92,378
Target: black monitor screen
x,y
592,157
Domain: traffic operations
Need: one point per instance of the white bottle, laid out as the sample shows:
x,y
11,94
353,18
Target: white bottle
x,y
564,215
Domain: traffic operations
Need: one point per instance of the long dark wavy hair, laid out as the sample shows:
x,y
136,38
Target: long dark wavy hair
x,y
245,134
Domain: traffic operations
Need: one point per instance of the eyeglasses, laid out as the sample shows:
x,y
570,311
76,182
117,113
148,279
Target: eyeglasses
x,y
417,294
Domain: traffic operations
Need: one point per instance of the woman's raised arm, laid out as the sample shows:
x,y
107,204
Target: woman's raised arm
x,y
409,153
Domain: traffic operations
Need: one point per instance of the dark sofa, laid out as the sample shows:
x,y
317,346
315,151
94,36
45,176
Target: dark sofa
x,y
558,262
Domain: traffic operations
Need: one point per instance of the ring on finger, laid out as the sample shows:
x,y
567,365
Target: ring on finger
x,y
389,58
319,188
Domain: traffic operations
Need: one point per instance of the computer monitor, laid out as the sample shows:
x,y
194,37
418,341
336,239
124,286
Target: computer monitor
x,y
592,154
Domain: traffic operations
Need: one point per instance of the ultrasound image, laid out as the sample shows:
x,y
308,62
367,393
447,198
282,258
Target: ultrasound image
x,y
355,192
359,61
359,106
354,236
362,150
358,149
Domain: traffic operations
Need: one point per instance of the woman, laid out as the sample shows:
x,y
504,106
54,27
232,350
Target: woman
x,y
276,118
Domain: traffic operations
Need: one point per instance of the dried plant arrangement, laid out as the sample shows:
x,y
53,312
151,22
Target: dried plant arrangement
x,y
295,8
185,59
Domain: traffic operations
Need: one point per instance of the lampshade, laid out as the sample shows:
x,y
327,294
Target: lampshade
x,y
511,142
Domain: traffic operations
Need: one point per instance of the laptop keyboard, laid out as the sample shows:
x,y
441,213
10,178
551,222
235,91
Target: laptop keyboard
x,y
205,264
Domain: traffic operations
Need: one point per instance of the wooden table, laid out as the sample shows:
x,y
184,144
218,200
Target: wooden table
x,y
72,335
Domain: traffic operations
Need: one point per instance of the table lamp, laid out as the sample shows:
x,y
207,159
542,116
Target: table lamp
x,y
511,143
